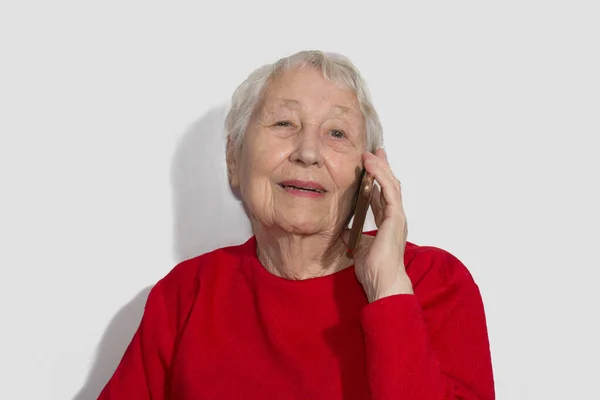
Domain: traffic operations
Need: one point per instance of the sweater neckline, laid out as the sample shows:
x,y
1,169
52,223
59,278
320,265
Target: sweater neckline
x,y
263,274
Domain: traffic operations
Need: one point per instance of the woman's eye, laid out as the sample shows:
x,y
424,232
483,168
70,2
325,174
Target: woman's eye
x,y
337,134
285,124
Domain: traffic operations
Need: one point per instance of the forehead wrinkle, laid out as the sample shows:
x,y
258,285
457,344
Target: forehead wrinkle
x,y
270,106
295,105
341,110
288,103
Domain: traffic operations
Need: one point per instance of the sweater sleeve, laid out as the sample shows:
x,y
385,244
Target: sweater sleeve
x,y
141,374
432,345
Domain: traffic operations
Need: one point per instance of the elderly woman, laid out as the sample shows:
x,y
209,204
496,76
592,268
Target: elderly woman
x,y
290,314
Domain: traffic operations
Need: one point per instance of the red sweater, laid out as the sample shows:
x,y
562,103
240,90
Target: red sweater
x,y
219,326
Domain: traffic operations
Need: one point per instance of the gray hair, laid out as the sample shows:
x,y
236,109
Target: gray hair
x,y
336,68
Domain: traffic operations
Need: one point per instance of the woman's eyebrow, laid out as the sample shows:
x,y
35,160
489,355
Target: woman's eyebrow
x,y
337,109
295,104
289,103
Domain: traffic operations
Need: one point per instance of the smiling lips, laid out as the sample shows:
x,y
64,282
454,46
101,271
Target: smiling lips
x,y
303,188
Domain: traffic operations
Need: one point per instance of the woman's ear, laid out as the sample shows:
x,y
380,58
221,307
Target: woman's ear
x,y
232,167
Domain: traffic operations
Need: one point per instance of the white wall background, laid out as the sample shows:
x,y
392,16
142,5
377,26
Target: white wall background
x,y
112,169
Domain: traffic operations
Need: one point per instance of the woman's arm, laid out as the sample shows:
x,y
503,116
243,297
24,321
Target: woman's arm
x,y
432,345
425,331
142,372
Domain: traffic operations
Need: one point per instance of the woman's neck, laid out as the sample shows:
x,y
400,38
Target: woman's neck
x,y
300,257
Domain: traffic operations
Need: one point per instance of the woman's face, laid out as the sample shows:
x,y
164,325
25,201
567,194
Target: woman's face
x,y
299,163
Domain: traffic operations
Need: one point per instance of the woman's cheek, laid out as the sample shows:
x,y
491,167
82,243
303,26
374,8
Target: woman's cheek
x,y
271,150
341,172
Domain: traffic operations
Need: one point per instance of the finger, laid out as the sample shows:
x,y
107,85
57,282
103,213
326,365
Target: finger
x,y
381,171
381,162
364,244
381,153
382,200
377,204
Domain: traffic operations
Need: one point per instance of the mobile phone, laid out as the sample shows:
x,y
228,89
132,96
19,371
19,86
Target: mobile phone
x,y
363,200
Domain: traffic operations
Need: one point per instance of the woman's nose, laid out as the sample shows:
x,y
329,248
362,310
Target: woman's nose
x,y
308,147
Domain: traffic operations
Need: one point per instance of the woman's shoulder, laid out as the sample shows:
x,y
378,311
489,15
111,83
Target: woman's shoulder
x,y
176,293
188,273
432,269
433,263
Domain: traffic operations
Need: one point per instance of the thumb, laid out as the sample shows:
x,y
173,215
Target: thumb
x,y
345,236
364,241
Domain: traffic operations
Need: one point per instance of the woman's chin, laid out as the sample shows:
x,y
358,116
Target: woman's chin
x,y
303,226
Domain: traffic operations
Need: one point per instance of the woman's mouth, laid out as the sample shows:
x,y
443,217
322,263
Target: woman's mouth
x,y
312,189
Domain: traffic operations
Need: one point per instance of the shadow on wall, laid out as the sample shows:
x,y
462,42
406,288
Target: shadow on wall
x,y
207,215
112,346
